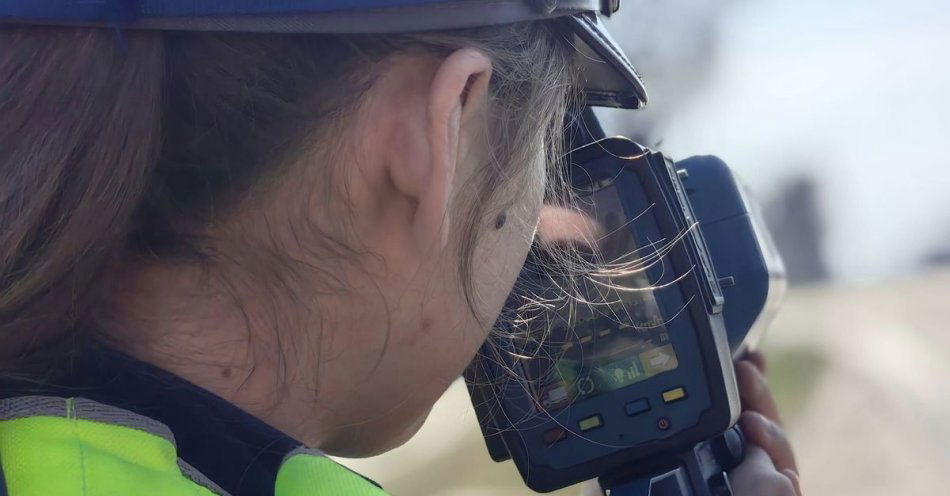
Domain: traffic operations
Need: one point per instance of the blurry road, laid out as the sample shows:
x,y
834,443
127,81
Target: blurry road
x,y
862,373
878,422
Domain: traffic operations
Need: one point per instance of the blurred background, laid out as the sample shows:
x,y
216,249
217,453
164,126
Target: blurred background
x,y
836,114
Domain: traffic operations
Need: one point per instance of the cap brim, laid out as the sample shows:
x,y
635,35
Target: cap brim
x,y
608,79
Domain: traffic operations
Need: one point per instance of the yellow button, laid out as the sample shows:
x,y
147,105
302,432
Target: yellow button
x,y
675,394
589,423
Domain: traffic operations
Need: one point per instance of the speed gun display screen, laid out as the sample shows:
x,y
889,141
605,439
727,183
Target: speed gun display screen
x,y
613,332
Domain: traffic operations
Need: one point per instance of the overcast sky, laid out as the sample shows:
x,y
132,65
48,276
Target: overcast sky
x,y
856,92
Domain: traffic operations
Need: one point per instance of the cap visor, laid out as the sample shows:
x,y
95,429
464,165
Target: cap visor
x,y
608,79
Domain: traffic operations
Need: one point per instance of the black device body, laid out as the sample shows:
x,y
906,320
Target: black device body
x,y
670,415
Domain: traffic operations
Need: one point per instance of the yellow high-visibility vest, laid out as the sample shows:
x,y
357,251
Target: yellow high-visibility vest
x,y
53,446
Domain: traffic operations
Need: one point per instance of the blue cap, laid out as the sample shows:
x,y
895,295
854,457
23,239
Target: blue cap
x,y
608,78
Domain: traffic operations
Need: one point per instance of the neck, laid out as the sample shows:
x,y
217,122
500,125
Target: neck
x,y
204,331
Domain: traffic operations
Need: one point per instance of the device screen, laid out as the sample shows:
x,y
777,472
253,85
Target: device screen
x,y
613,333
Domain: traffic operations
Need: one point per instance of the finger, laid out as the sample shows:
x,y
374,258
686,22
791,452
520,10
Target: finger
x,y
756,475
796,483
766,434
757,458
754,391
756,461
559,225
757,359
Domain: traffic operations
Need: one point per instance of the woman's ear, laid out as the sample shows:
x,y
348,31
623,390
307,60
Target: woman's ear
x,y
458,96
421,122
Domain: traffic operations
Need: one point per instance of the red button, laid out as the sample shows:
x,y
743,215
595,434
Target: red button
x,y
663,423
554,435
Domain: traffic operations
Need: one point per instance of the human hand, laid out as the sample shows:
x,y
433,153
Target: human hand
x,y
769,467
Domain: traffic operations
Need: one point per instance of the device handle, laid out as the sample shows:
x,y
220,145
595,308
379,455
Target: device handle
x,y
701,471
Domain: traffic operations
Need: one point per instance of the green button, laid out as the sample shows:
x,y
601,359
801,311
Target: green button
x,y
589,423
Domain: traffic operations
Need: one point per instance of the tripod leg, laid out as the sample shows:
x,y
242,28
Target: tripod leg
x,y
700,471
673,483
639,487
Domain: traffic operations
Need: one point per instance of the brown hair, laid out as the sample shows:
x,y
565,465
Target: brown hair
x,y
110,153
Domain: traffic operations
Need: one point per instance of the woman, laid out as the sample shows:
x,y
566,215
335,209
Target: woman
x,y
225,254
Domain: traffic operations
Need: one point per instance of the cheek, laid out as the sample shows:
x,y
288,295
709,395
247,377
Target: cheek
x,y
504,246
430,350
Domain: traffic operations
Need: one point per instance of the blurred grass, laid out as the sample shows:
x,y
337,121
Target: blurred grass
x,y
793,374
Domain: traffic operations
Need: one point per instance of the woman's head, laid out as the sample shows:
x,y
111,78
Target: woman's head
x,y
319,228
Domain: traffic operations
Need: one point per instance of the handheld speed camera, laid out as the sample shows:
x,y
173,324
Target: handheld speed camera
x,y
616,363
